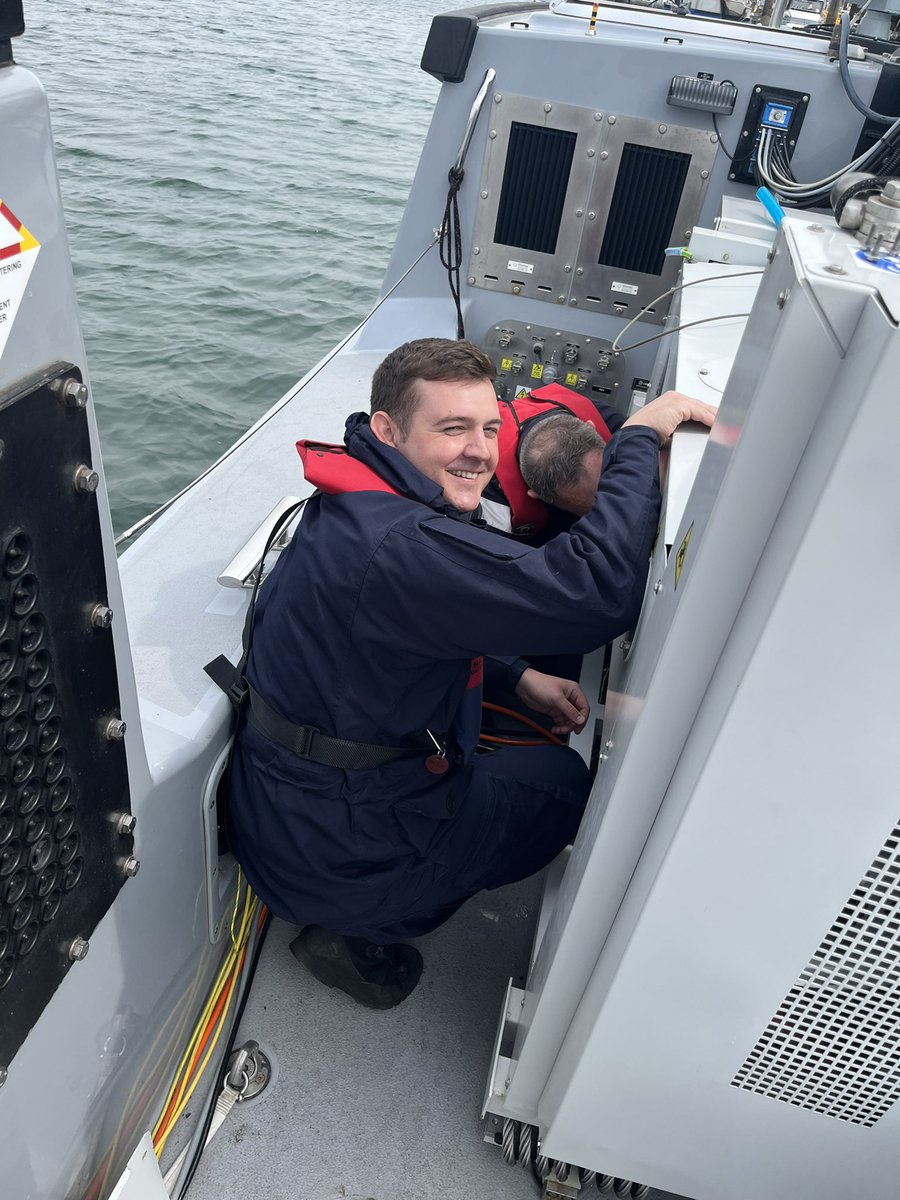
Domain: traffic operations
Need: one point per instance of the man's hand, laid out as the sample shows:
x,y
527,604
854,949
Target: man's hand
x,y
561,699
664,414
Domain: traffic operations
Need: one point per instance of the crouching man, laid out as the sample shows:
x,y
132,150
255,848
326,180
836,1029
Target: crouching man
x,y
358,807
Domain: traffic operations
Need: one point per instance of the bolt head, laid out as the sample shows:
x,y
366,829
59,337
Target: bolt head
x,y
704,371
704,174
604,155
560,299
115,729
74,394
713,138
611,120
484,195
126,823
579,212
130,867
580,271
657,587
86,479
471,280
573,302
492,134
591,153
101,616
516,289
548,108
78,948
498,96
567,268
598,116
663,128
476,249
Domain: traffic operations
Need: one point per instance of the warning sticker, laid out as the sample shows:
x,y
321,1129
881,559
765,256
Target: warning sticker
x,y
522,392
537,371
18,251
571,378
682,552
505,364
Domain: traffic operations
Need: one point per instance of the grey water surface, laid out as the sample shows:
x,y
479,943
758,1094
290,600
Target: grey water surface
x,y
232,172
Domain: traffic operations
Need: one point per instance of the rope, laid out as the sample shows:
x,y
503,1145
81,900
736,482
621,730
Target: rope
x,y
451,244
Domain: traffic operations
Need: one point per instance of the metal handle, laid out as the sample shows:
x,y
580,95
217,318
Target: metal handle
x,y
477,104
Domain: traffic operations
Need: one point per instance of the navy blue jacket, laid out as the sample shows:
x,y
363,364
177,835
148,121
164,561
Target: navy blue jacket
x,y
367,628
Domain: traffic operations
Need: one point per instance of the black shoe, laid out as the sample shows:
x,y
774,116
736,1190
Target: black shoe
x,y
375,976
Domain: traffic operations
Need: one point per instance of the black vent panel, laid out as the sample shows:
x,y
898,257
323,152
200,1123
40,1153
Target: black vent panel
x,y
833,1046
535,180
646,198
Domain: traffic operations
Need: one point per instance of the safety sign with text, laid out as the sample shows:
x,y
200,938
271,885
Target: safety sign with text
x,y
18,251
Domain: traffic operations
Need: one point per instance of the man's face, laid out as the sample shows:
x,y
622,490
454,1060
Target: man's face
x,y
452,437
579,497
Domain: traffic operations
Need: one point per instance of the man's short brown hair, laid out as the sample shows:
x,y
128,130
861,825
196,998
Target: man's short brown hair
x,y
552,453
394,389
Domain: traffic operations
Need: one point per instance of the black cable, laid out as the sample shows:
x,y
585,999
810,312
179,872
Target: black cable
x,y
223,1070
843,63
451,243
730,157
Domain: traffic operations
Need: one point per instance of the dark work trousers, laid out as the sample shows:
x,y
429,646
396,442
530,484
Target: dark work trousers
x,y
537,795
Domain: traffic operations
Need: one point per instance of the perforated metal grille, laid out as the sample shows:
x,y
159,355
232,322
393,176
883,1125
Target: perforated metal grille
x,y
833,1046
648,191
535,180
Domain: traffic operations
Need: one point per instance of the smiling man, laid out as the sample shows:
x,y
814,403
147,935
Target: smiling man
x,y
358,806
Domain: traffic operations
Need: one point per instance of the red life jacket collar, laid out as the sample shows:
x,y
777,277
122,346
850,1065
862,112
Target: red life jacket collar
x,y
528,514
332,470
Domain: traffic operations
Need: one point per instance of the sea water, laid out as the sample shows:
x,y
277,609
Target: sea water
x,y
233,173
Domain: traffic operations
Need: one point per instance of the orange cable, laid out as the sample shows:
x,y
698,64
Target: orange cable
x,y
510,712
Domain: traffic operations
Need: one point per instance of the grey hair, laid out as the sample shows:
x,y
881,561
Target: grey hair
x,y
552,453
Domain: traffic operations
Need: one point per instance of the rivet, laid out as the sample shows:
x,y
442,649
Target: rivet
x,y
657,587
498,96
101,616
78,948
579,212
704,371
560,299
573,302
591,153
476,249
726,257
471,279
516,289
757,90
484,195
126,823
86,479
114,730
704,174
493,133
548,108
805,99
835,269
598,116
567,268
611,120
130,867
663,128
580,271
591,216
713,138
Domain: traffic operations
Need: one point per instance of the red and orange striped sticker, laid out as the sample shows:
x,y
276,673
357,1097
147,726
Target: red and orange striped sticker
x,y
25,240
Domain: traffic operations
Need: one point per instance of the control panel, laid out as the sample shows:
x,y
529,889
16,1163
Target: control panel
x,y
777,109
529,356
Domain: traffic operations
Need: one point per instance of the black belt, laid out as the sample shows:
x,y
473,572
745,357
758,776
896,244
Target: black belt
x,y
305,740
308,742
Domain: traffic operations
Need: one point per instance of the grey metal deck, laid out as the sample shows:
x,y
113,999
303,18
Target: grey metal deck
x,y
378,1105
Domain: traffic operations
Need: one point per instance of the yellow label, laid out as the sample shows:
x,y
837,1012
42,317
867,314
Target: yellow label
x,y
571,378
522,392
505,364
537,371
682,552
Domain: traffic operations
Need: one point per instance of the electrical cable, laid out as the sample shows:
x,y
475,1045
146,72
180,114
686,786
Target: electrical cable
x,y
273,412
678,287
722,145
678,329
511,712
203,1131
844,65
